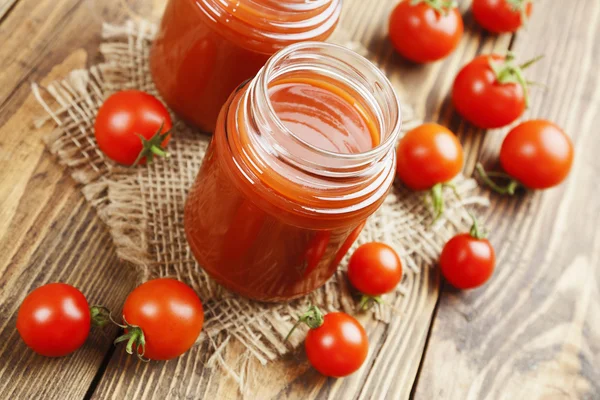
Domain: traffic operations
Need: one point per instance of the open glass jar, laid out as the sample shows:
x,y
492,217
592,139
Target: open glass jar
x,y
302,155
206,48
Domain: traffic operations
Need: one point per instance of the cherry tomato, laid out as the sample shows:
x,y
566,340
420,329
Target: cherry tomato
x,y
537,153
163,315
428,155
374,269
338,346
501,16
491,91
425,31
132,126
468,259
54,320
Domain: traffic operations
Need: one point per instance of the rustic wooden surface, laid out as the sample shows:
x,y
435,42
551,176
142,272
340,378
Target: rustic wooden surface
x,y
532,333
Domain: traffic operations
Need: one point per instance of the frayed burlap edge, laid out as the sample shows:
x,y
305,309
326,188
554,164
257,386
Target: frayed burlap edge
x,y
142,206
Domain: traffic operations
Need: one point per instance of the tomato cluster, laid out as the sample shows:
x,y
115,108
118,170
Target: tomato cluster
x,y
489,92
162,319
423,31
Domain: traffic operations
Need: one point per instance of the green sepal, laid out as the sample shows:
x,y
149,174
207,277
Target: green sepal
x,y
442,7
153,146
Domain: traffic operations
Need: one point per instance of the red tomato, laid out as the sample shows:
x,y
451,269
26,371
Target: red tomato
x,y
468,259
132,126
374,269
537,153
338,347
501,16
54,320
428,155
169,314
490,99
426,31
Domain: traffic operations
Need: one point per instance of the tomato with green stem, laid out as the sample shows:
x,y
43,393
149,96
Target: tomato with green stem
x,y
535,154
491,91
55,319
374,269
425,30
468,259
428,157
336,344
501,16
132,127
162,319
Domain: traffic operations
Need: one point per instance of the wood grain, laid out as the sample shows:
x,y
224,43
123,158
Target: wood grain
x,y
534,331
5,6
48,232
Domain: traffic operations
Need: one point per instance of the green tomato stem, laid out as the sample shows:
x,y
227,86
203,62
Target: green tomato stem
x,y
507,71
100,316
476,231
437,200
442,7
367,302
134,337
313,317
509,189
153,146
160,152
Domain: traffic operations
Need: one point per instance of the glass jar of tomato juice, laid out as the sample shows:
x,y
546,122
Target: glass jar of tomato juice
x,y
206,48
301,156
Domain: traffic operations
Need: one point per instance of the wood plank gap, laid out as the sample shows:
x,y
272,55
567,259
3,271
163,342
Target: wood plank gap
x,y
425,347
101,370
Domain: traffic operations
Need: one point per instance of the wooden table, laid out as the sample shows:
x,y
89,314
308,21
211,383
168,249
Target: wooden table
x,y
532,333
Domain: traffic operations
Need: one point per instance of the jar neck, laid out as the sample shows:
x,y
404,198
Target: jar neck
x,y
282,160
273,24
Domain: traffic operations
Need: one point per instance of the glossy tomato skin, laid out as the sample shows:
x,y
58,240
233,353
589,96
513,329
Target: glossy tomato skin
x,y
338,347
427,155
421,34
538,154
169,313
498,16
480,99
375,269
54,320
467,262
124,116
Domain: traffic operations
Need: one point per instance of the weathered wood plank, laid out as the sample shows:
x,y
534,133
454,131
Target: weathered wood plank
x,y
48,232
64,242
534,331
5,6
396,349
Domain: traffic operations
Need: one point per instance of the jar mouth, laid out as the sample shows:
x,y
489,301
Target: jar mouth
x,y
348,68
286,6
276,22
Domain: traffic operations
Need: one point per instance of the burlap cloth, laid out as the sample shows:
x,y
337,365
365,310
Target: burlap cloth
x,y
143,207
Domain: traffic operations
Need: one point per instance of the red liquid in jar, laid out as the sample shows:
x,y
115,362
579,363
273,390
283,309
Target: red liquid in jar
x,y
249,233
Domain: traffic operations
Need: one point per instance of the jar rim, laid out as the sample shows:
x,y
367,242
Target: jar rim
x,y
261,21
381,81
